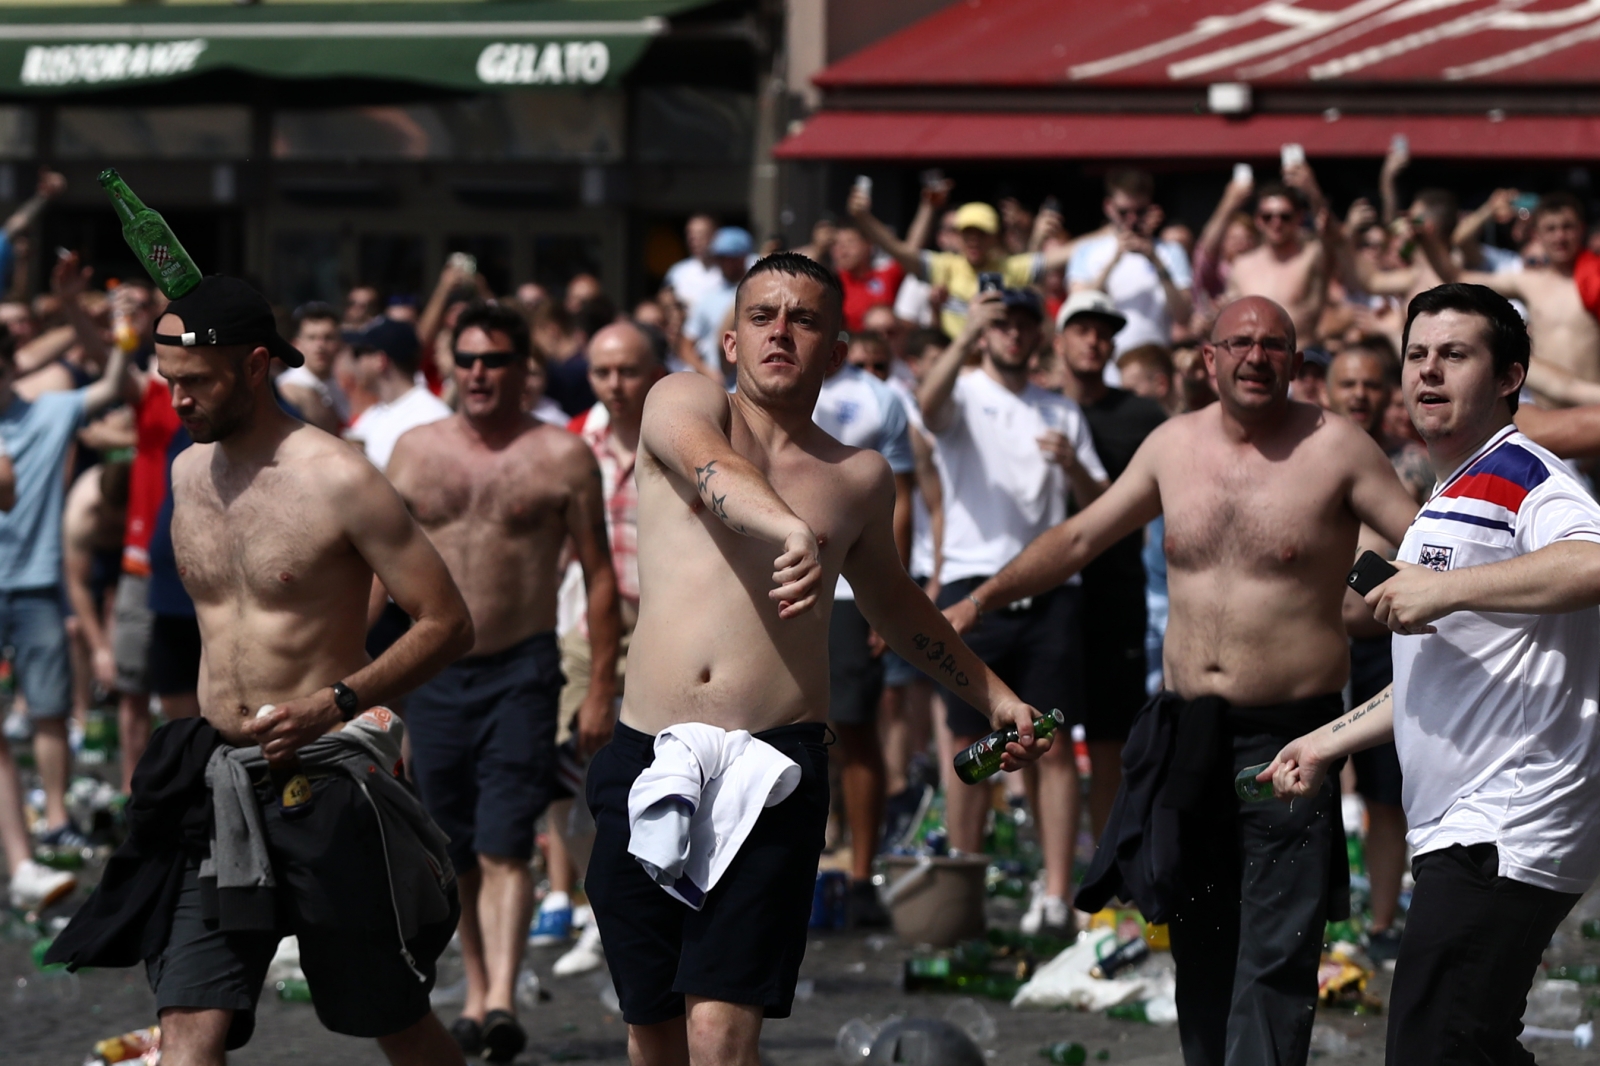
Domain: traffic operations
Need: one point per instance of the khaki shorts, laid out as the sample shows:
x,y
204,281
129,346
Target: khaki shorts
x,y
576,664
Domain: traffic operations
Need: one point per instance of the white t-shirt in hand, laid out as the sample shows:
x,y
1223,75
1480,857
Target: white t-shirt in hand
x,y
1497,716
1000,489
381,425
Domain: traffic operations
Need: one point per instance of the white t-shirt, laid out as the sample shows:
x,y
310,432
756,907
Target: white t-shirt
x,y
1134,286
857,409
691,279
921,566
328,391
703,325
1497,716
382,424
1000,490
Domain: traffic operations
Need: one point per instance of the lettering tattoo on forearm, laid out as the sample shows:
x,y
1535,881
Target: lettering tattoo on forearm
x,y
1354,716
936,654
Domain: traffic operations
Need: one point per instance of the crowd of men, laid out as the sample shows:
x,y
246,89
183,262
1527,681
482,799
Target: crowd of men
x,y
1023,387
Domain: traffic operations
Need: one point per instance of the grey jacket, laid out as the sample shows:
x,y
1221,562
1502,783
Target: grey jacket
x,y
420,877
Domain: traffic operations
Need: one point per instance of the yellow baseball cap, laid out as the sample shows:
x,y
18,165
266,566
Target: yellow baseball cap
x,y
978,216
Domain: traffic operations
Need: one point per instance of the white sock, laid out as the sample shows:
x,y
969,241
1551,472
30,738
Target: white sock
x,y
555,901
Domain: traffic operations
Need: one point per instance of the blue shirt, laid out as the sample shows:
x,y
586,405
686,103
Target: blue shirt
x,y
167,594
39,436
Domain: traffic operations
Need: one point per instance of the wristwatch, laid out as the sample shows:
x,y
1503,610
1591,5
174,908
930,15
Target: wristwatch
x,y
344,698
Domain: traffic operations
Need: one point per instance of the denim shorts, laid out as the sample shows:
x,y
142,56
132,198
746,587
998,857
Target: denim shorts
x,y
32,625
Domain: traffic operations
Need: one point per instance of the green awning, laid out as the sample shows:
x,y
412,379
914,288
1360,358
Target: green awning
x,y
500,45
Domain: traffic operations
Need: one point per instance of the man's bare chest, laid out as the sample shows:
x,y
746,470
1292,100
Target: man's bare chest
x,y
510,495
268,546
1255,515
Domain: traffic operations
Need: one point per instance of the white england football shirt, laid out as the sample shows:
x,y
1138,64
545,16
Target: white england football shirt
x,y
1497,716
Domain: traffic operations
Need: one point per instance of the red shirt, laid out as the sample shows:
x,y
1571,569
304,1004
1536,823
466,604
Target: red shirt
x,y
877,287
147,478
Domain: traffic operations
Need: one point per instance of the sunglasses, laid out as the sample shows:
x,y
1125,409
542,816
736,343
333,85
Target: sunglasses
x,y
491,360
1275,216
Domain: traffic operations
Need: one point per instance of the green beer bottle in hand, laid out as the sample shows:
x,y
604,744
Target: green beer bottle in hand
x,y
151,239
982,757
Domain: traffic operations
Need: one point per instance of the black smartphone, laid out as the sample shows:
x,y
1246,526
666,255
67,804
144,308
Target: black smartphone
x,y
932,178
990,281
1051,204
1370,571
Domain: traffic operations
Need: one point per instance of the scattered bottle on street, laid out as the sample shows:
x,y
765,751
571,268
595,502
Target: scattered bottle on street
x,y
125,1047
294,990
1128,953
1067,1052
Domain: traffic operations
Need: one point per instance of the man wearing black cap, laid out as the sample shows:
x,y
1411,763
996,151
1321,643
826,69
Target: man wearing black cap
x,y
278,531
1009,453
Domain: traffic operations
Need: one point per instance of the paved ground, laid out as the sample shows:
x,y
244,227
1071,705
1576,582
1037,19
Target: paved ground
x,y
850,975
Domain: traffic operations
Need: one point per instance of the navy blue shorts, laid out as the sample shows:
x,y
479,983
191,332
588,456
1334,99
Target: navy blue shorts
x,y
1035,649
1378,776
745,945
483,748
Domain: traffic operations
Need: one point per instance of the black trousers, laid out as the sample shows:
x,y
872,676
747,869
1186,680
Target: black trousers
x,y
1257,889
1472,943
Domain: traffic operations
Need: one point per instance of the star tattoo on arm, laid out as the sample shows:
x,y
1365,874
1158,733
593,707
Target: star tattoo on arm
x,y
703,475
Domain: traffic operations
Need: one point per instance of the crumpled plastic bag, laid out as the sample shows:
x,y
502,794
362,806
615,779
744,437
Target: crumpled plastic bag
x,y
1064,981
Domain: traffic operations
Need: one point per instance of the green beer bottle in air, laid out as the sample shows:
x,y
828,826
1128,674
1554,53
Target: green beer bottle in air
x,y
151,239
982,758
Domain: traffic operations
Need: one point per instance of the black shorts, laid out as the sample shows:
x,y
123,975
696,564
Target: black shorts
x,y
1035,649
483,748
174,654
745,945
334,896
1378,776
855,675
1114,689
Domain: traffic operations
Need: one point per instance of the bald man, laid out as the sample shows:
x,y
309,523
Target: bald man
x,y
1263,497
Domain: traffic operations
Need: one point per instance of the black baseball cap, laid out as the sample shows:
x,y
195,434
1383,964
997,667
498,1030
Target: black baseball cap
x,y
224,311
1024,300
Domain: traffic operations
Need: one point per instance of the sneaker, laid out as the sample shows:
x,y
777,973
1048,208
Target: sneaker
x,y
865,909
34,886
553,923
1047,914
65,835
900,815
1384,947
586,954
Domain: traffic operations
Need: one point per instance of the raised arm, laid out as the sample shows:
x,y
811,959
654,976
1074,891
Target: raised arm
x,y
1208,246
1444,265
909,623
586,523
50,186
939,382
907,255
1063,550
114,386
685,429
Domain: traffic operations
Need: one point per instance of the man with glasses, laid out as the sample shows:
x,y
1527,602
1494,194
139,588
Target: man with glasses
x,y
1263,497
500,493
1148,280
1286,267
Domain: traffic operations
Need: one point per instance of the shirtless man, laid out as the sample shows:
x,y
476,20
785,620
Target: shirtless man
x,y
278,531
499,493
1263,497
1286,268
1566,337
748,513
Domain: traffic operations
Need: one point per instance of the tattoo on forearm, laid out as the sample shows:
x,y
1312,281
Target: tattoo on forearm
x,y
937,655
1356,716
703,475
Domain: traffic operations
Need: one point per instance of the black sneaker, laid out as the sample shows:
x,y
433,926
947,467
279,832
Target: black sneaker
x,y
866,911
468,1036
65,835
503,1037
1384,947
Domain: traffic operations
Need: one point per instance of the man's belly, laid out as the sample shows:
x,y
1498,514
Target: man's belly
x,y
238,678
1258,642
729,668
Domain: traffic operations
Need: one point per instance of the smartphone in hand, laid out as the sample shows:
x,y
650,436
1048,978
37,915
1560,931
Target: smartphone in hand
x,y
1291,155
1370,571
